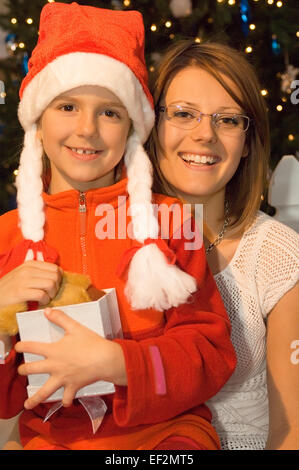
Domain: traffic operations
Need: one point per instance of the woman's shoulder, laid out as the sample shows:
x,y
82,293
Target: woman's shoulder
x,y
276,259
272,231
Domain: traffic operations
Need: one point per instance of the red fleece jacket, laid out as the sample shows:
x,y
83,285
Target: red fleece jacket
x,y
192,342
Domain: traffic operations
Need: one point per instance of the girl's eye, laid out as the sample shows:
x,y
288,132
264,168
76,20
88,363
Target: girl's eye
x,y
67,107
108,113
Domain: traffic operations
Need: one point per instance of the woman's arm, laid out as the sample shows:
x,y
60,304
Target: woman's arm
x,y
283,372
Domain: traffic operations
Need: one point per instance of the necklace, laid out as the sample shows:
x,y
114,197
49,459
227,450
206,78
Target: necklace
x,y
220,235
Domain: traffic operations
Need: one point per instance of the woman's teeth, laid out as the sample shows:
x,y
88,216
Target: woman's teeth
x,y
205,159
84,152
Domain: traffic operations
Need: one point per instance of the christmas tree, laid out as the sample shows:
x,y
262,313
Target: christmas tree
x,y
267,30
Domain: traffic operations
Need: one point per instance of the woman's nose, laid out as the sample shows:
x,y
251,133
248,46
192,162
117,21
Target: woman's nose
x,y
87,125
204,130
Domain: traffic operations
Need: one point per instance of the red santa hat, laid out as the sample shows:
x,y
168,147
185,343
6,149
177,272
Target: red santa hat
x,y
83,45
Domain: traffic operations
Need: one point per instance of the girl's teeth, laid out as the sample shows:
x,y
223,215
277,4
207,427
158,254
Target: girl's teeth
x,y
84,152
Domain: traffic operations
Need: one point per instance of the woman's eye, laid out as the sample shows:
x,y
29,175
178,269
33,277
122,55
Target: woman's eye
x,y
229,120
183,115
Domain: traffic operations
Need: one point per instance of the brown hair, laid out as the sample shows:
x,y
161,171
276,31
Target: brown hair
x,y
245,189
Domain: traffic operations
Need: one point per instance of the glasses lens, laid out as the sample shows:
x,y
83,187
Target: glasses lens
x,y
182,116
231,122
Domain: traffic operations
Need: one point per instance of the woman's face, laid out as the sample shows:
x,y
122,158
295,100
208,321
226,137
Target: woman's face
x,y
84,133
195,88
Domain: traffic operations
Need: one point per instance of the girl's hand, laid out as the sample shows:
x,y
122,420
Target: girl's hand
x,y
31,281
78,359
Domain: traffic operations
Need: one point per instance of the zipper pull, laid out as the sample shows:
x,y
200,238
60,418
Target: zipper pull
x,y
82,202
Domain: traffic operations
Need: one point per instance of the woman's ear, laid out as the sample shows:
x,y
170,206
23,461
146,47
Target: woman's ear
x,y
245,151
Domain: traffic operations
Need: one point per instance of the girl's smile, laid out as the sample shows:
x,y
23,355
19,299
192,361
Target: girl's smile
x,y
84,153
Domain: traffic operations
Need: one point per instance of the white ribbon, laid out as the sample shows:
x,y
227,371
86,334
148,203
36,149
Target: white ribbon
x,y
94,406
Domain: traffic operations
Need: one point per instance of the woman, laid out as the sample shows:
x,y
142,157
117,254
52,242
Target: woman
x,y
210,146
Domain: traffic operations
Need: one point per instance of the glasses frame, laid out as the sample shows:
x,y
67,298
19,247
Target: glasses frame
x,y
163,109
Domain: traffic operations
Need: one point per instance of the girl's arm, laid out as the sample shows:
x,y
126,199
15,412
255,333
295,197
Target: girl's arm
x,y
283,372
36,281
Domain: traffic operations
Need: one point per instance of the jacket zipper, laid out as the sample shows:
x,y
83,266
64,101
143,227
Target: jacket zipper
x,y
82,215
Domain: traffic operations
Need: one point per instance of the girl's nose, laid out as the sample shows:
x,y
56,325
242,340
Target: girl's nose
x,y
87,125
204,130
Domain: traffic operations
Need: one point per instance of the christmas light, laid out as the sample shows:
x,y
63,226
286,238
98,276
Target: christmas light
x,y
291,137
15,172
21,45
248,49
197,39
127,3
270,2
284,99
264,92
297,34
279,107
220,1
2,94
168,24
14,20
29,20
279,4
252,26
231,2
51,1
152,68
154,27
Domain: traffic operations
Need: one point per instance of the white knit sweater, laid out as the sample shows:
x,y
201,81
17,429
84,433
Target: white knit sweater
x,y
264,267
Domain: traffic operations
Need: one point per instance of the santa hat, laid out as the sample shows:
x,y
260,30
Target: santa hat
x,y
83,45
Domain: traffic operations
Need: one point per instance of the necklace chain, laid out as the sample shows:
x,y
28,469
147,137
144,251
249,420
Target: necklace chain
x,y
220,235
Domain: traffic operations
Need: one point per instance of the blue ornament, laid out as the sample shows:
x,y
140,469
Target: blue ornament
x,y
245,16
275,45
25,63
10,38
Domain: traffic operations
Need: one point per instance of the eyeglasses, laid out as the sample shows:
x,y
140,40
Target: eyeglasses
x,y
188,118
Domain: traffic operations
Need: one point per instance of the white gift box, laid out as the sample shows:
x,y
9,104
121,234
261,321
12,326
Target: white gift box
x,y
101,316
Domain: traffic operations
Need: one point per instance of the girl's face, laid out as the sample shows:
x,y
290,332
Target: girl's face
x,y
84,133
195,88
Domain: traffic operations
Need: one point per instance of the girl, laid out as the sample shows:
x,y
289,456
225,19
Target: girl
x,y
85,103
210,146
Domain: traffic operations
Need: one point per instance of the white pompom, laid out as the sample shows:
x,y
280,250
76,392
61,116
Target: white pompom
x,y
154,283
180,8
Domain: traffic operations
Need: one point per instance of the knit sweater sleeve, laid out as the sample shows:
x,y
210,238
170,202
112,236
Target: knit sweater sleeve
x,y
188,363
277,264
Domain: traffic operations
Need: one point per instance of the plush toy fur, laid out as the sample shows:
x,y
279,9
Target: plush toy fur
x,y
74,289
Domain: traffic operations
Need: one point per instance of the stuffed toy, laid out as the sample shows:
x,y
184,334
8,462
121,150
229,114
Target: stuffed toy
x,y
74,289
